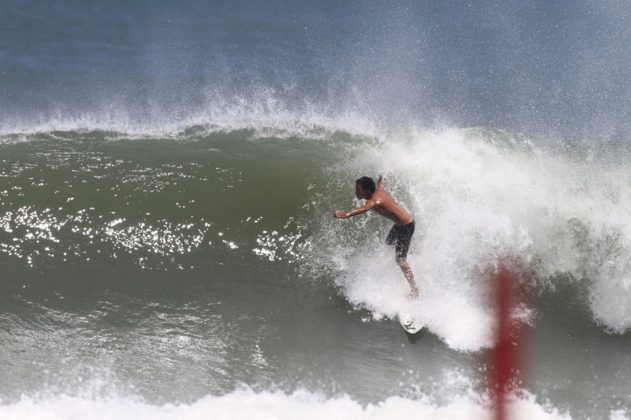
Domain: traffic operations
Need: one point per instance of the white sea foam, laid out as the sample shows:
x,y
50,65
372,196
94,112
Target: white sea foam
x,y
480,197
247,405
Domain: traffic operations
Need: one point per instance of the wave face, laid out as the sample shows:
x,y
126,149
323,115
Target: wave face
x,y
78,196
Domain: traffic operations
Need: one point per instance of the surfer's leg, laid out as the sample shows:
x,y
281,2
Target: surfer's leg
x,y
409,276
402,247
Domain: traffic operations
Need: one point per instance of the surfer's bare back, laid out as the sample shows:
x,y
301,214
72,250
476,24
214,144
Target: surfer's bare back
x,y
400,235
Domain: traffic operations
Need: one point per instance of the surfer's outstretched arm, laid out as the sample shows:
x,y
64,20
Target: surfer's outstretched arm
x,y
380,183
360,210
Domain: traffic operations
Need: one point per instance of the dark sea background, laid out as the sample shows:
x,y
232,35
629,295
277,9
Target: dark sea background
x,y
169,170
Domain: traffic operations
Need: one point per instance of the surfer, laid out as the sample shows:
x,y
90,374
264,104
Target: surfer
x,y
400,235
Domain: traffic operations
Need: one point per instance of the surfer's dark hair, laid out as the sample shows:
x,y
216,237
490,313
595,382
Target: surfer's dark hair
x,y
367,183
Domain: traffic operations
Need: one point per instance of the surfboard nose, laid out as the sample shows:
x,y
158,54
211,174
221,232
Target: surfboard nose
x,y
409,323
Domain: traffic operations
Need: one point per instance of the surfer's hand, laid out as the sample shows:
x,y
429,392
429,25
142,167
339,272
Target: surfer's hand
x,y
339,214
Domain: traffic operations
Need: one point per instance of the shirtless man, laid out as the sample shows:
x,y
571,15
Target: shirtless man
x,y
400,235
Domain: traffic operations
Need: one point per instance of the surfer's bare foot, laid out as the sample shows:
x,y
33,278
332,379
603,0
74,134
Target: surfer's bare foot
x,y
413,294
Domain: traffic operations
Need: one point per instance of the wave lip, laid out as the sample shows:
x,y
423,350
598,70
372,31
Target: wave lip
x,y
263,115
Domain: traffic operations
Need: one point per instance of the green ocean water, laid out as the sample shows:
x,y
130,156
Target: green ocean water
x,y
193,264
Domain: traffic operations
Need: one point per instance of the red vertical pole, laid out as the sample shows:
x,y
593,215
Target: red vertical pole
x,y
506,356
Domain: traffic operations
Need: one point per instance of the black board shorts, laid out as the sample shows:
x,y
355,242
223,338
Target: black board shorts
x,y
400,237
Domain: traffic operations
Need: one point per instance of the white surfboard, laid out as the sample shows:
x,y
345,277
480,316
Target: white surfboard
x,y
409,323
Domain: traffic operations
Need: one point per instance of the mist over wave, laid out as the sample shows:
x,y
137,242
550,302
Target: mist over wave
x,y
536,67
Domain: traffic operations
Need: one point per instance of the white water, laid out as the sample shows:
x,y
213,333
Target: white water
x,y
480,197
249,405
